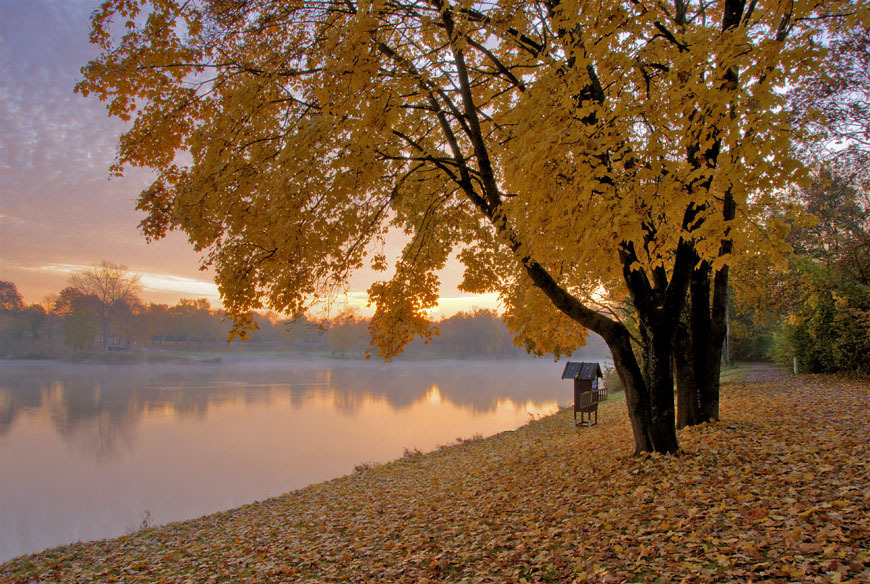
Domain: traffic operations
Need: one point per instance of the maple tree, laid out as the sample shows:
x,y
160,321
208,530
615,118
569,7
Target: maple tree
x,y
555,148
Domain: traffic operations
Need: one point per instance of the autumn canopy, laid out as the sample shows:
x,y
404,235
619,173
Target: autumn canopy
x,y
558,148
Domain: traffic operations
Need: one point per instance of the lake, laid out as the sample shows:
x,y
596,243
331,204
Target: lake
x,y
89,452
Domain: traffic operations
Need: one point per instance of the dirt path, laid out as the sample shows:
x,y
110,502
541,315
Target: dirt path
x,y
765,372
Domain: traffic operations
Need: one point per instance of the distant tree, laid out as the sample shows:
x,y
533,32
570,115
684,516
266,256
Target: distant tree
x,y
303,331
128,322
10,298
475,334
11,305
157,323
267,332
827,327
840,236
49,304
828,292
752,335
192,320
79,316
814,305
113,286
35,317
348,333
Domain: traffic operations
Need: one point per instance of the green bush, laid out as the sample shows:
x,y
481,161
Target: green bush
x,y
831,331
612,381
751,341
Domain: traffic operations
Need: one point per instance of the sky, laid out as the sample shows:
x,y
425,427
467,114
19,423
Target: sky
x,y
59,210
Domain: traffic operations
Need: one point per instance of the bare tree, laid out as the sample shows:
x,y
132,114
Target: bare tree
x,y
113,286
833,107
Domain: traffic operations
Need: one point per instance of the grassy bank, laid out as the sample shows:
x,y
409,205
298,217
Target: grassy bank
x,y
779,491
735,373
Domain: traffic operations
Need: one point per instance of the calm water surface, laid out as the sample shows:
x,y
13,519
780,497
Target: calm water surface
x,y
89,452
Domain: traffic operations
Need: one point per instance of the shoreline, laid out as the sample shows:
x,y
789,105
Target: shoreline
x,y
549,503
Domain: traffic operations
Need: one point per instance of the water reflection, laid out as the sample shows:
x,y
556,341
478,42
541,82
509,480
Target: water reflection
x,y
85,450
97,408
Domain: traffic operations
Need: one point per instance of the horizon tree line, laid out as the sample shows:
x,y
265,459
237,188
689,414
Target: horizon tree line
x,y
101,309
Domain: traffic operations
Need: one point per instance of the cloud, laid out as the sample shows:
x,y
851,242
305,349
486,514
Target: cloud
x,y
150,281
169,283
59,212
452,305
447,305
58,206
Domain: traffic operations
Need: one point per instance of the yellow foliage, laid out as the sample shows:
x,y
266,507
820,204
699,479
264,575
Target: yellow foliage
x,y
287,137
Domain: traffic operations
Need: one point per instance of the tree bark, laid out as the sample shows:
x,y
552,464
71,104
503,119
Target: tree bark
x,y
636,392
649,395
698,349
684,374
709,394
705,373
661,387
709,387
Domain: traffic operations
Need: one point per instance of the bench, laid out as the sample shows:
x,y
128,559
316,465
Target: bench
x,y
586,404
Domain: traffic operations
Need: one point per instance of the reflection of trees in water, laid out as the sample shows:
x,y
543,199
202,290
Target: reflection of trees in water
x,y
82,410
17,393
477,385
102,435
98,407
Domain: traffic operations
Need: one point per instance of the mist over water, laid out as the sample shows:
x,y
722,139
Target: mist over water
x,y
88,452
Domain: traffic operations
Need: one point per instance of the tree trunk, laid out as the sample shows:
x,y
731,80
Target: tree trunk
x,y
709,389
706,376
688,405
698,351
660,380
659,304
636,394
650,397
709,386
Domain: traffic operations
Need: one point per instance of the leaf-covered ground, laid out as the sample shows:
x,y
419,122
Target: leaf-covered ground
x,y
779,491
